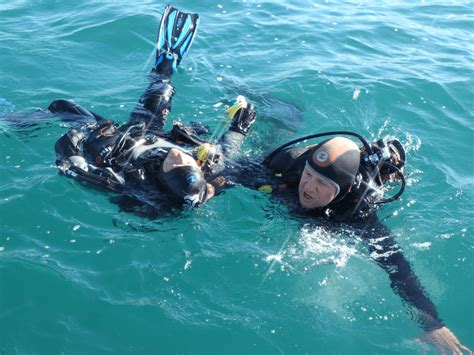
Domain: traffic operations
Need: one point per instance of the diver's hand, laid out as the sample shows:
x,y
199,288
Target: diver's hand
x,y
444,341
244,117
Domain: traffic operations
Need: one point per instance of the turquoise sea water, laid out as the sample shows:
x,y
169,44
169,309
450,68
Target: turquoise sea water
x,y
241,274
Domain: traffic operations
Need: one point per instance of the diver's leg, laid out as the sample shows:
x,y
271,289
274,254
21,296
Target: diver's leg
x,y
68,107
175,35
154,104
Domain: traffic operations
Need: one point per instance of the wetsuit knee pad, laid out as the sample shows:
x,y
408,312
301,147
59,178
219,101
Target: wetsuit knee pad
x,y
158,97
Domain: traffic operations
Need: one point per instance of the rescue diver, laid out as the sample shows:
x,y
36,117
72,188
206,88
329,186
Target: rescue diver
x,y
342,183
178,163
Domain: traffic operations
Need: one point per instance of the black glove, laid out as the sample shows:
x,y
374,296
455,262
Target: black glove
x,y
243,119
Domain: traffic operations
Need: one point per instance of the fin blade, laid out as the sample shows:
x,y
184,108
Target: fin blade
x,y
184,31
170,28
175,35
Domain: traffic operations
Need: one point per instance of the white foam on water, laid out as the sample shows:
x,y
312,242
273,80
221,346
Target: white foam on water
x,y
274,257
188,264
421,246
325,247
356,94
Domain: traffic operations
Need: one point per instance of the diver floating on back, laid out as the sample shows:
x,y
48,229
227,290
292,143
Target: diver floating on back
x,y
180,163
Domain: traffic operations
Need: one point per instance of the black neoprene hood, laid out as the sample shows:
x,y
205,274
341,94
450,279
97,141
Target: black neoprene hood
x,y
186,183
338,159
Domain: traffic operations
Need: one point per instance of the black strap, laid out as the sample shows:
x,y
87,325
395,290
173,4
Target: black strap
x,y
94,179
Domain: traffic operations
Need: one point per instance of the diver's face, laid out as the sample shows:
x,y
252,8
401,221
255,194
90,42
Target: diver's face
x,y
314,190
177,158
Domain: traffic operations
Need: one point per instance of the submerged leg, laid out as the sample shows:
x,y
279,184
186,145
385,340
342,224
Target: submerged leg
x,y
68,107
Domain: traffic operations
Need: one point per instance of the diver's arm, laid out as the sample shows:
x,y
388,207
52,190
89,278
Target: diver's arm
x,y
231,142
242,120
104,178
389,256
248,173
71,162
281,173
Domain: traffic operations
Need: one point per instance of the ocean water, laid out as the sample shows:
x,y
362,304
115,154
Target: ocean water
x,y
241,274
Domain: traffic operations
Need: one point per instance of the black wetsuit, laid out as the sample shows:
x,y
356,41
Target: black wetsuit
x,y
355,211
129,156
283,173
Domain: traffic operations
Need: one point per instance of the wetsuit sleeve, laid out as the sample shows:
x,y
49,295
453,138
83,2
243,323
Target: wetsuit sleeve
x,y
284,169
71,162
154,104
231,142
386,253
247,172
